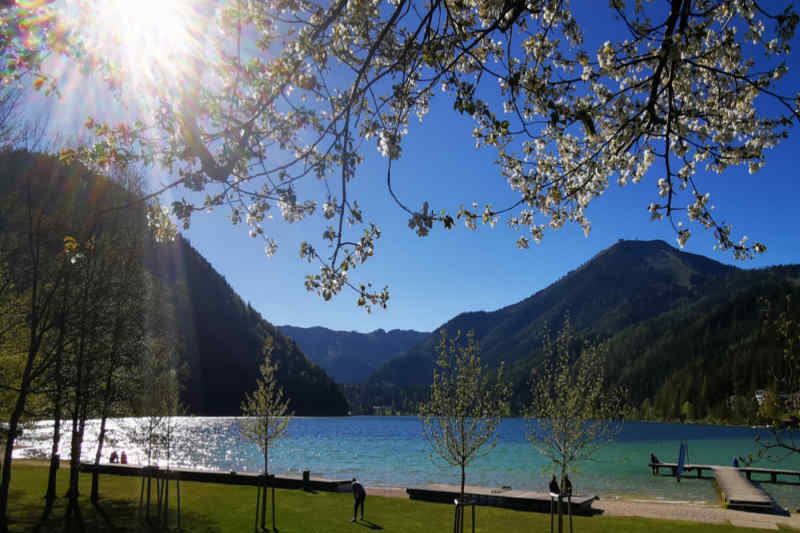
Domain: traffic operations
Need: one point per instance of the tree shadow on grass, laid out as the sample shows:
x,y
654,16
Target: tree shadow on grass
x,y
109,515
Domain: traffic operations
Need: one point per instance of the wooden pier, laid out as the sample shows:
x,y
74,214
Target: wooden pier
x,y
739,493
226,478
687,468
735,483
521,500
776,475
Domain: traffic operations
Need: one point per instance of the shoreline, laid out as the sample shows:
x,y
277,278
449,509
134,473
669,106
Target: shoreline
x,y
677,510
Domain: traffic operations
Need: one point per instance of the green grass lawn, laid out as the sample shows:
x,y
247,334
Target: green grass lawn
x,y
225,508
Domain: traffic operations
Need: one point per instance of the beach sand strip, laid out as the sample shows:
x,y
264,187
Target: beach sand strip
x,y
667,510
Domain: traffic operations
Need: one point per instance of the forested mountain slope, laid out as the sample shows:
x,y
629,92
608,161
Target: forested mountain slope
x,y
218,335
707,360
627,283
223,337
350,356
680,327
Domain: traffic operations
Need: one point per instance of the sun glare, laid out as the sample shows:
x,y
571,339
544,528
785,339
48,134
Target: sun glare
x,y
153,42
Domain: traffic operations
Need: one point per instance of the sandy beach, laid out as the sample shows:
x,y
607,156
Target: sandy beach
x,y
664,510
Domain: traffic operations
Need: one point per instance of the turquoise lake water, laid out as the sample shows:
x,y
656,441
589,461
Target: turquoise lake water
x,y
391,452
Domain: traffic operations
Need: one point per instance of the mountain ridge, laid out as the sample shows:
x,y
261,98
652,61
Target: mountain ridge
x,y
627,282
351,356
641,297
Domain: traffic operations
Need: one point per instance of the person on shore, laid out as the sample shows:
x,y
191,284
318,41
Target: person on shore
x,y
735,462
359,495
567,487
114,457
654,461
123,458
554,486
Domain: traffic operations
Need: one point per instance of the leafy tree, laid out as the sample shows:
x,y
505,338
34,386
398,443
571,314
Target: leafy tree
x,y
106,334
124,327
465,407
573,410
37,265
276,94
268,419
56,393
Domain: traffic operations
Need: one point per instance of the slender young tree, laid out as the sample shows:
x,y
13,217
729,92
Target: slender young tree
x,y
268,415
125,342
573,410
154,405
466,405
56,395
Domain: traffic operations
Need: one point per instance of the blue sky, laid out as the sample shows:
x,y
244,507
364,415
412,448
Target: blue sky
x,y
434,278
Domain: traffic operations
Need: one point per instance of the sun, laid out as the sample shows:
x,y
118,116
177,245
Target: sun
x,y
153,43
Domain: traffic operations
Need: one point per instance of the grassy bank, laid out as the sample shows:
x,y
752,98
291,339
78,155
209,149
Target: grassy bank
x,y
218,508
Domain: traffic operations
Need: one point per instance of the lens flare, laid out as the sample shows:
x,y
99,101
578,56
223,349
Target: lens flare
x,y
150,47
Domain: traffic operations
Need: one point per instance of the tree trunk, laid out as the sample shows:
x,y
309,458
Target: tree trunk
x,y
16,416
107,394
264,494
95,493
79,426
463,481
13,426
81,406
6,474
55,459
74,465
561,500
50,495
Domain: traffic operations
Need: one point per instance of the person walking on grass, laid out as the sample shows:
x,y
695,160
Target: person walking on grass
x,y
359,494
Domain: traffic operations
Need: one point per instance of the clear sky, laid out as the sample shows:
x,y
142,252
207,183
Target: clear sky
x,y
434,278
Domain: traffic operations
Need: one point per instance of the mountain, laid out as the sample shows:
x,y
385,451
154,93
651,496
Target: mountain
x,y
223,337
707,360
686,334
349,356
627,283
220,337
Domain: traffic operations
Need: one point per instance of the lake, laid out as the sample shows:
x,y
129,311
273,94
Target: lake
x,y
391,452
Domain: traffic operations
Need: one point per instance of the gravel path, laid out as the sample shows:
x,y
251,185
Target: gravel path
x,y
665,510
692,512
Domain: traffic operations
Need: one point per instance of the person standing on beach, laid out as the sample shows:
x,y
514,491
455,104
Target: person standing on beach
x,y
359,494
554,486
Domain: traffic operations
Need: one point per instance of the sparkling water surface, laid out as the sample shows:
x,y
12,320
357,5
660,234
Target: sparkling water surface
x,y
391,452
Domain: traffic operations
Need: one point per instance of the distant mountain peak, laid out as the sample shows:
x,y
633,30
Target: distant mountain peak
x,y
628,282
